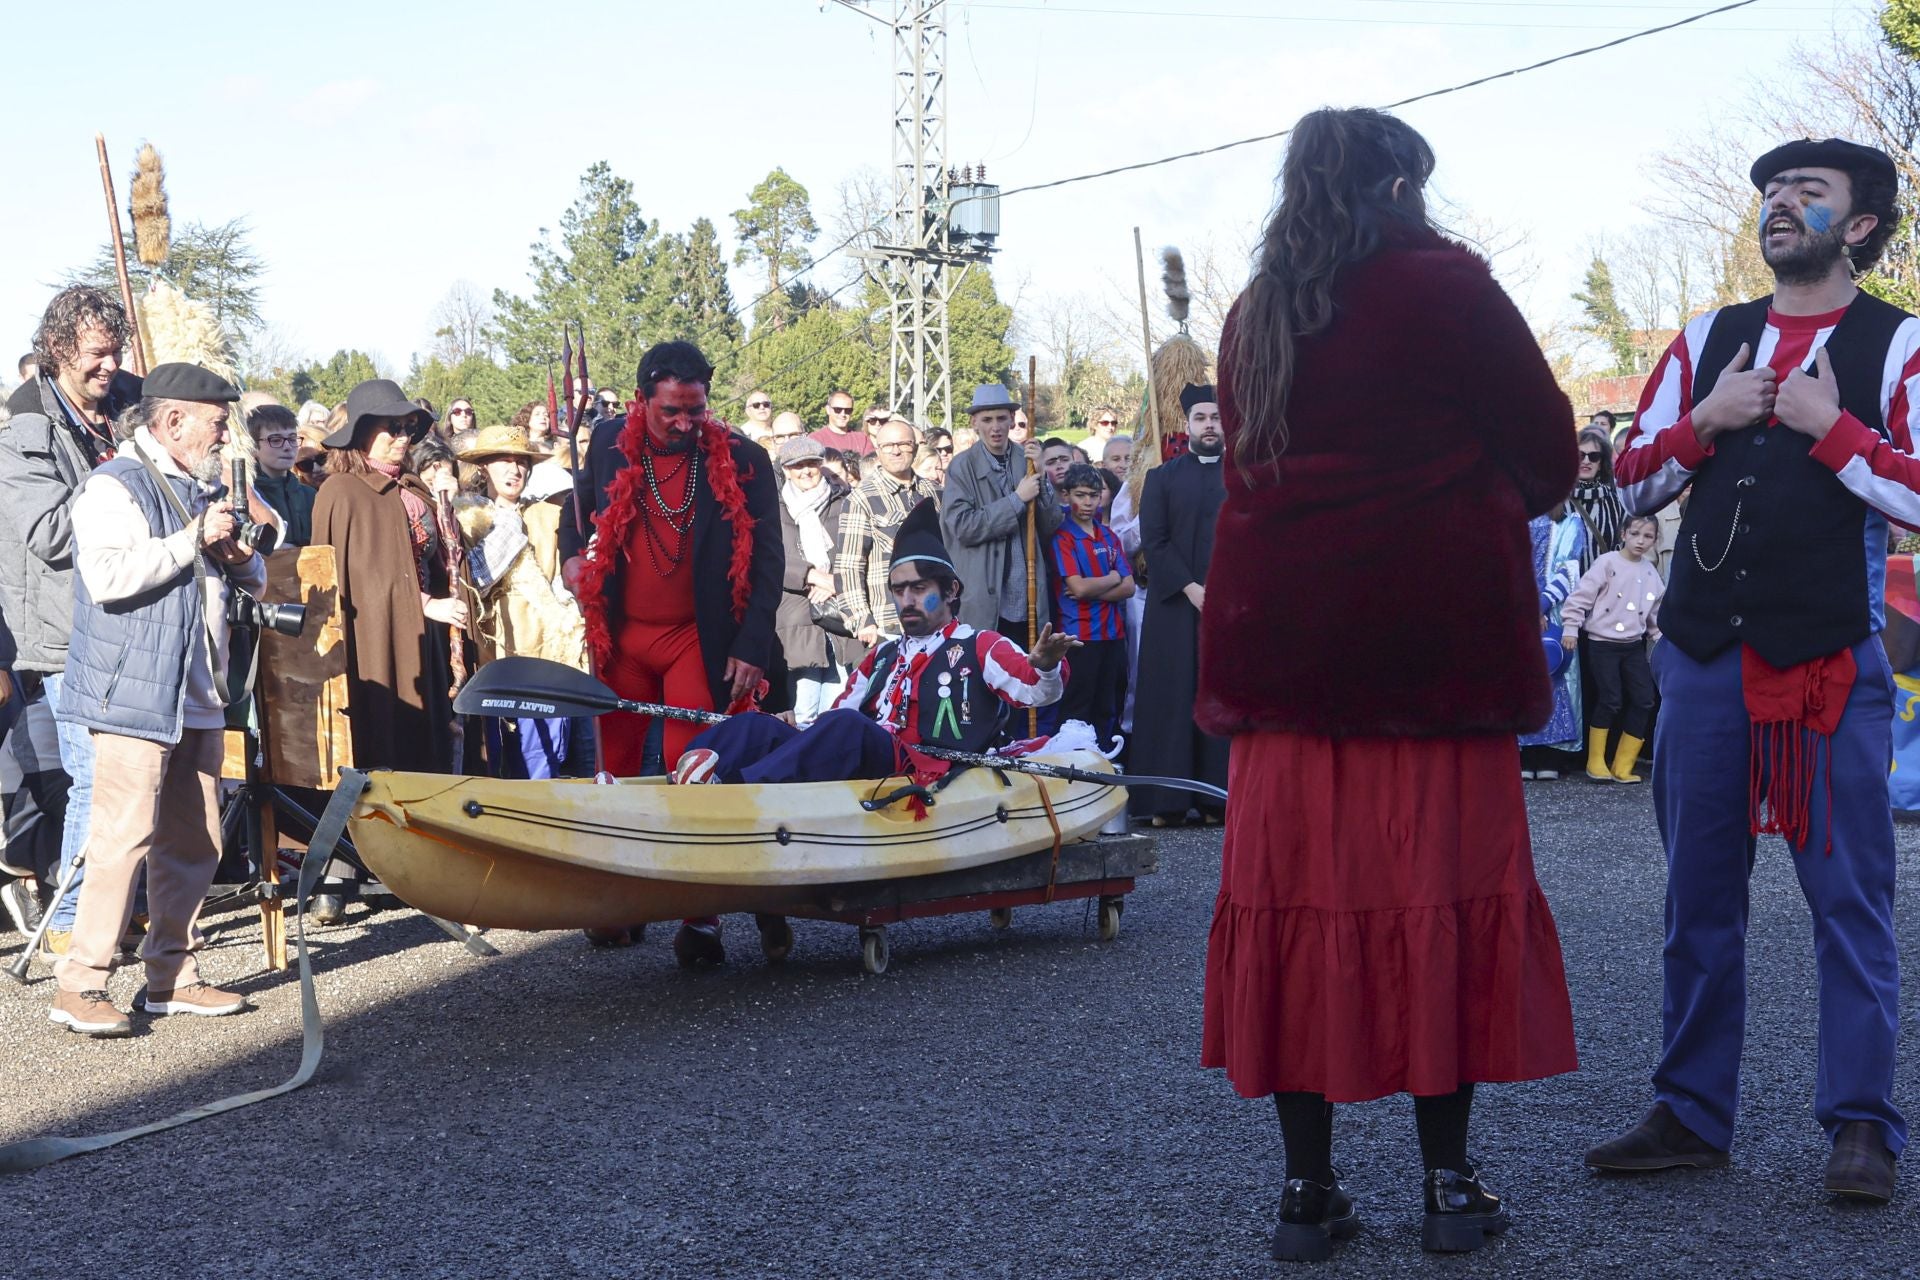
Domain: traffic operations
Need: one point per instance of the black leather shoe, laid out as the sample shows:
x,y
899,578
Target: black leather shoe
x,y
1461,1213
1659,1141
776,937
1861,1167
1312,1217
699,944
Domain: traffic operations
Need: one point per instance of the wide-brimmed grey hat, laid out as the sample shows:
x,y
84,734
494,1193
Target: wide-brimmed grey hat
x,y
800,450
991,396
379,398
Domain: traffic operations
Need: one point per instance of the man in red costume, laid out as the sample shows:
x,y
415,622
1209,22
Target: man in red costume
x,y
681,576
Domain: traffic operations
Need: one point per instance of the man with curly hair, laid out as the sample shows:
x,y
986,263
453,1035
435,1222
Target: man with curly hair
x,y
1789,422
59,429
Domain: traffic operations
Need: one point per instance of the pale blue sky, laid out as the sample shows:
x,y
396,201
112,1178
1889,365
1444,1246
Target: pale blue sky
x,y
383,151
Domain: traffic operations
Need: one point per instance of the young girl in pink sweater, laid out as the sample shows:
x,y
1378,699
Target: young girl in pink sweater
x,y
1617,604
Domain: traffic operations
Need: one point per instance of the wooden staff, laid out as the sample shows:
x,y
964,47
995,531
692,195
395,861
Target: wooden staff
x,y
453,555
1146,346
1033,588
120,254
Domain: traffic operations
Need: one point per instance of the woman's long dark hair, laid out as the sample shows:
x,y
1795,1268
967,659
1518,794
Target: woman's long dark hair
x,y
1603,442
1337,189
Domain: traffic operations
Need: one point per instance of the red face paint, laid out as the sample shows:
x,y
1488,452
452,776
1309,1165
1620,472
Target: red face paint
x,y
674,413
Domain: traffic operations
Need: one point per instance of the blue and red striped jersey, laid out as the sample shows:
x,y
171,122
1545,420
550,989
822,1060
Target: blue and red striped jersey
x,y
1078,553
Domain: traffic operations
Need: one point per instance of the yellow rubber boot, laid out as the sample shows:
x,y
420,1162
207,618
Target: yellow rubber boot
x,y
1625,757
1597,756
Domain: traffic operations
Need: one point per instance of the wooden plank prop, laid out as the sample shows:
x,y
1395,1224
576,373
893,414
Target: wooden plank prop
x,y
302,683
300,705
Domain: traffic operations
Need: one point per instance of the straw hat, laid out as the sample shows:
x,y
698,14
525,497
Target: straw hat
x,y
498,442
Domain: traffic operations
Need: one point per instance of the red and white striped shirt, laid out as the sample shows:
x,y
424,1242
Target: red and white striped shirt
x,y
1008,671
1662,453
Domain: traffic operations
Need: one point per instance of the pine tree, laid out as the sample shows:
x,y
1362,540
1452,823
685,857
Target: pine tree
x,y
610,271
774,230
1605,318
331,380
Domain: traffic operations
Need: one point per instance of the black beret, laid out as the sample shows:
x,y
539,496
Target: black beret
x,y
188,382
1197,393
1821,153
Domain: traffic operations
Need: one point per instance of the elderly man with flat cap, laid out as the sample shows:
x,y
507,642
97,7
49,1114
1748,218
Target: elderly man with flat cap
x,y
983,515
1790,417
154,552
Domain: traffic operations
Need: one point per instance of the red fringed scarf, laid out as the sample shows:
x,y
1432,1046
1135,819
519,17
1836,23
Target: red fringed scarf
x,y
615,521
1794,713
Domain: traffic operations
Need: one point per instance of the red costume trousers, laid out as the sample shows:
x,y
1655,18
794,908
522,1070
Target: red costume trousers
x,y
653,662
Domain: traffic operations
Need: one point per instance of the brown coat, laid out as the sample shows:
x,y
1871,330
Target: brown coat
x,y
397,672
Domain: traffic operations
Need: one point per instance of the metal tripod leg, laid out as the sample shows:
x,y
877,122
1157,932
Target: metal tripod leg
x,y
18,969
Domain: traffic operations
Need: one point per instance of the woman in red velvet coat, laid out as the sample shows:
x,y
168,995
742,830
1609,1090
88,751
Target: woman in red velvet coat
x,y
1379,928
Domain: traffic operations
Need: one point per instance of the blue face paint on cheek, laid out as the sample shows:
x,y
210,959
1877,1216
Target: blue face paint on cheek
x,y
1819,218
932,602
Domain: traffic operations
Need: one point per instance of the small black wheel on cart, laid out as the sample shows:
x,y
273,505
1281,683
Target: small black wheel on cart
x,y
1110,911
1001,917
873,948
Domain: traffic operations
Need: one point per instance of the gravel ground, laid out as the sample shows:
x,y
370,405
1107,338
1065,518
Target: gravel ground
x,y
1023,1103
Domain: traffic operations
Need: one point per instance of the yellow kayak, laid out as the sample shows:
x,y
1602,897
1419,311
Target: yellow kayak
x,y
575,854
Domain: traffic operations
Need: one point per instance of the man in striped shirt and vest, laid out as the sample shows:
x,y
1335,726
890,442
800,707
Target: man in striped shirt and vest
x,y
1790,419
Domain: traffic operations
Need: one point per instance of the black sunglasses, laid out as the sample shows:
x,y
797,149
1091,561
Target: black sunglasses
x,y
458,412
1588,455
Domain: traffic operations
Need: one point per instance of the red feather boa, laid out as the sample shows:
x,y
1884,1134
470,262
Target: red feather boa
x,y
614,523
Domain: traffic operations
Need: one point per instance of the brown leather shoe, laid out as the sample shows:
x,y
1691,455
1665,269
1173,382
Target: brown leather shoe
x,y
1659,1141
90,1013
195,998
1861,1167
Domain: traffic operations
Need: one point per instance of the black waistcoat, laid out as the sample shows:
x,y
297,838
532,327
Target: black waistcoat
x,y
1772,550
954,705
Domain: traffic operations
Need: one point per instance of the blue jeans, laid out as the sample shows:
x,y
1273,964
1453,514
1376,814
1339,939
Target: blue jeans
x,y
76,758
1702,745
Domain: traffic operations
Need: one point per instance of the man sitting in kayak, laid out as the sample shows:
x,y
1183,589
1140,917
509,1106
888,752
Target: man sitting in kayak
x,y
943,684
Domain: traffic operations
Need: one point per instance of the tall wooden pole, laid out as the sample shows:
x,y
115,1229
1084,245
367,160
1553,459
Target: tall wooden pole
x,y
1146,346
120,254
1033,588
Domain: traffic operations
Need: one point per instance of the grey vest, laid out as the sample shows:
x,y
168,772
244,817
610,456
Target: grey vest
x,y
127,666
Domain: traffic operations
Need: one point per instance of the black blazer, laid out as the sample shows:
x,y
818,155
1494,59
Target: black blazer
x,y
749,639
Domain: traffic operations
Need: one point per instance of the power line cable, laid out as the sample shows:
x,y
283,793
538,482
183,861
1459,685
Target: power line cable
x,y
750,307
1489,22
1404,102
789,368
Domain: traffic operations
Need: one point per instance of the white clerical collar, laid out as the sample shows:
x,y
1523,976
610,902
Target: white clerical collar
x,y
1203,458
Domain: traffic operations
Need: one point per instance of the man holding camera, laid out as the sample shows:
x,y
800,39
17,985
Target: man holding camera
x,y
146,676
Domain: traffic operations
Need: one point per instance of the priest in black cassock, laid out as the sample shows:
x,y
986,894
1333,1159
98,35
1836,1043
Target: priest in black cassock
x,y
1178,504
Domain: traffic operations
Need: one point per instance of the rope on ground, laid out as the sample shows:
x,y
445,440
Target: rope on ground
x,y
34,1153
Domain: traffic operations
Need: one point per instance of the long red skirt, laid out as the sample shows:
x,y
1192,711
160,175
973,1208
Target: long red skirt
x,y
1379,928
